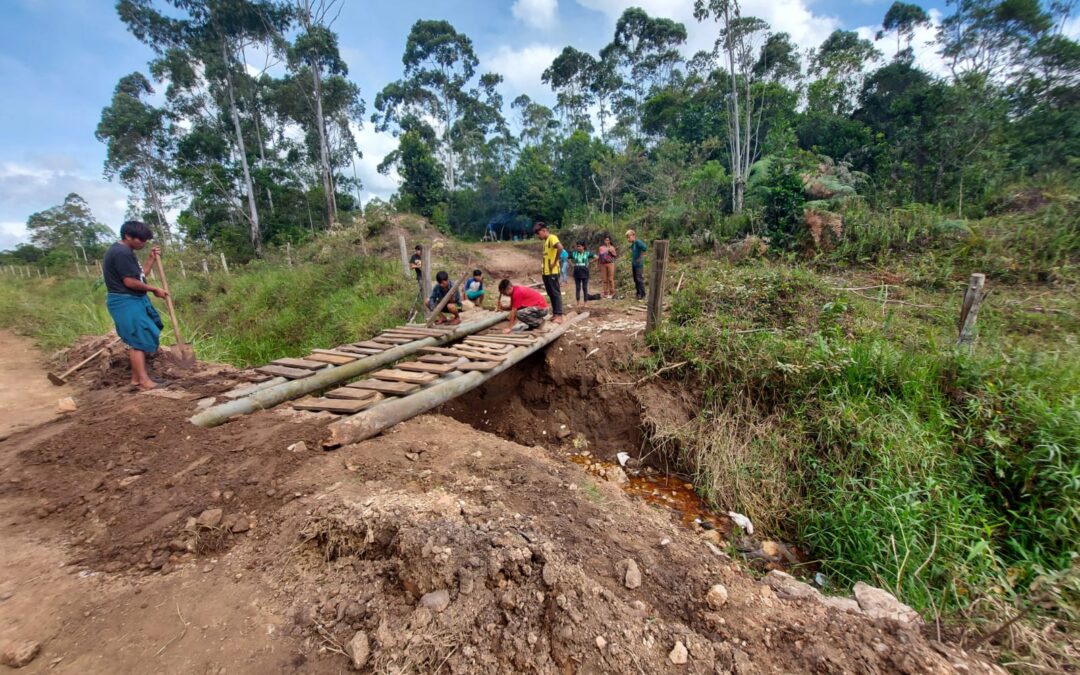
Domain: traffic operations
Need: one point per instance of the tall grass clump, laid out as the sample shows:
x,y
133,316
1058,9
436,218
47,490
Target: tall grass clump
x,y
55,311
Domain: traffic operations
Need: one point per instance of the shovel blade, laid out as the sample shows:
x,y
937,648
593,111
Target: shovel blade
x,y
56,379
184,355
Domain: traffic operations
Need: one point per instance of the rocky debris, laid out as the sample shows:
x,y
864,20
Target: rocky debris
x,y
616,475
209,518
712,536
843,604
879,604
788,587
601,643
359,649
678,654
298,447
19,653
66,405
717,596
563,433
436,601
204,403
630,573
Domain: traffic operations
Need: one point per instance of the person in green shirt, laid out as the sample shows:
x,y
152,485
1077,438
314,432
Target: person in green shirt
x,y
581,258
637,262
550,270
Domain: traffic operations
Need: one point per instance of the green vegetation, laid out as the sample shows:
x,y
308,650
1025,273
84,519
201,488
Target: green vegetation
x,y
260,312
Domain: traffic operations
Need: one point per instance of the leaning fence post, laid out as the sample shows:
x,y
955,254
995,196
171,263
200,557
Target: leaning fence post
x,y
224,265
656,286
288,253
969,310
183,271
205,268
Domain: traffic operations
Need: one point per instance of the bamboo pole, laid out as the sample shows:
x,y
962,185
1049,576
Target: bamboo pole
x,y
267,398
373,421
445,301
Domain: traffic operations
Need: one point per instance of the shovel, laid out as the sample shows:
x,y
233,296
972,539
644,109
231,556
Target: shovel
x,y
185,355
61,379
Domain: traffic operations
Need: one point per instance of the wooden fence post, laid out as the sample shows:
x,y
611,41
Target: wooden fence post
x,y
656,286
224,265
969,310
183,270
288,253
426,279
404,256
205,268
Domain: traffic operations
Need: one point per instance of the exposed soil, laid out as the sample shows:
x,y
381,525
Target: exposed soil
x,y
465,541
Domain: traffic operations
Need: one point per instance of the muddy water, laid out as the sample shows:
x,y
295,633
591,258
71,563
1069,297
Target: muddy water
x,y
669,492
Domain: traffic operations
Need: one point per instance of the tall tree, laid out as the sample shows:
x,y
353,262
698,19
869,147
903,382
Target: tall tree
x,y
737,43
570,76
137,138
68,226
987,38
201,40
839,63
439,65
903,18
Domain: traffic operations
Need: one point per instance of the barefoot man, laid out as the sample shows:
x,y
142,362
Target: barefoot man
x,y
527,307
137,322
550,272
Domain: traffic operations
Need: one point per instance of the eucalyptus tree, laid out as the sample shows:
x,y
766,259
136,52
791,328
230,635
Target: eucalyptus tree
x,y
199,44
138,139
570,76
438,85
903,18
737,42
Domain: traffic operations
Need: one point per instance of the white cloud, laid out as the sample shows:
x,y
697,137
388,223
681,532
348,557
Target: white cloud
x,y
375,145
34,185
788,16
522,68
536,13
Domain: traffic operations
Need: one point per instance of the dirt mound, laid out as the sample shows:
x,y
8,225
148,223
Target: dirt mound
x,y
459,552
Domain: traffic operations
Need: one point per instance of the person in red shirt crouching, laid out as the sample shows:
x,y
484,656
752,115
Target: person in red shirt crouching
x,y
526,306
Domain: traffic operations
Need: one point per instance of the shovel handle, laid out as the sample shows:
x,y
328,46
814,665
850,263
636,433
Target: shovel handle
x,y
168,300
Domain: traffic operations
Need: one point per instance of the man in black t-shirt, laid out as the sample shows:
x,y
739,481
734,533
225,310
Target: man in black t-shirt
x,y
416,263
137,322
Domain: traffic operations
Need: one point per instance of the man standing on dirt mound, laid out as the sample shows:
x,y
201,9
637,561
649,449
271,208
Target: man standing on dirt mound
x,y
550,272
137,322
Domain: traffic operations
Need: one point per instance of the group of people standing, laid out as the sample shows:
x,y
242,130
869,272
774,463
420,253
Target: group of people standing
x,y
528,309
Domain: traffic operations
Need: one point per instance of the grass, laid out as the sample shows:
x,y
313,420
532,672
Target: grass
x,y
256,314
855,427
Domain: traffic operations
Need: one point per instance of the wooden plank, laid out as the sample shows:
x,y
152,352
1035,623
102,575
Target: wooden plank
x,y
419,330
349,392
283,371
477,365
298,363
368,344
334,352
334,405
435,331
332,359
393,341
414,367
499,340
438,358
402,376
362,351
486,347
462,352
391,388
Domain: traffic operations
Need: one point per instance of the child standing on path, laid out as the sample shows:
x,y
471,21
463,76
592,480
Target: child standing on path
x,y
550,269
564,265
637,262
581,258
607,267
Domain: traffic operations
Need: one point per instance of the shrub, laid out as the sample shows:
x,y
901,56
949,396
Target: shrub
x,y
784,206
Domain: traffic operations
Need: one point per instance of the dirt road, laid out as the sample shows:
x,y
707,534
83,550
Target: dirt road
x,y
27,398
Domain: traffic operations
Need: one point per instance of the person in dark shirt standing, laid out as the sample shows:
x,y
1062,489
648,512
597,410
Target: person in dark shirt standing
x,y
137,322
637,262
416,263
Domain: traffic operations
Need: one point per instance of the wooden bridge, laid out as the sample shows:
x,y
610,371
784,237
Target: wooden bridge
x,y
397,374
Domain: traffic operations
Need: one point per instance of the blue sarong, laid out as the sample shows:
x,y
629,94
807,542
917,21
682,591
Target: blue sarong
x,y
137,322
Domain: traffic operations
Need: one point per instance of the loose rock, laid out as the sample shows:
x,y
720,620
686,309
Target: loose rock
x,y
679,654
600,642
879,604
717,596
359,649
209,518
787,586
631,574
19,653
299,446
66,405
436,601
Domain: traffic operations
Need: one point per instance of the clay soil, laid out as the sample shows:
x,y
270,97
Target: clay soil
x,y
135,542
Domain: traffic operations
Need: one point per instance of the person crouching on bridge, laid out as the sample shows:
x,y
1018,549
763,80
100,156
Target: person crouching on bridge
x,y
474,289
137,322
438,292
528,309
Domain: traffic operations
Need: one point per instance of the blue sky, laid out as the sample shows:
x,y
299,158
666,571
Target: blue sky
x,y
60,60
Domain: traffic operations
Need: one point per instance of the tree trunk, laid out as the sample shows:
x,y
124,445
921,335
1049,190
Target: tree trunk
x,y
738,179
256,231
324,150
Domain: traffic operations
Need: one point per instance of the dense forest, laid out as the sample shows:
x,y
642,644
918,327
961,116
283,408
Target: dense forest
x,y
251,139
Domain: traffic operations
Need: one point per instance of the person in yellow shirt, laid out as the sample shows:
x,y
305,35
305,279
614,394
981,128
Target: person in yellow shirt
x,y
550,272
